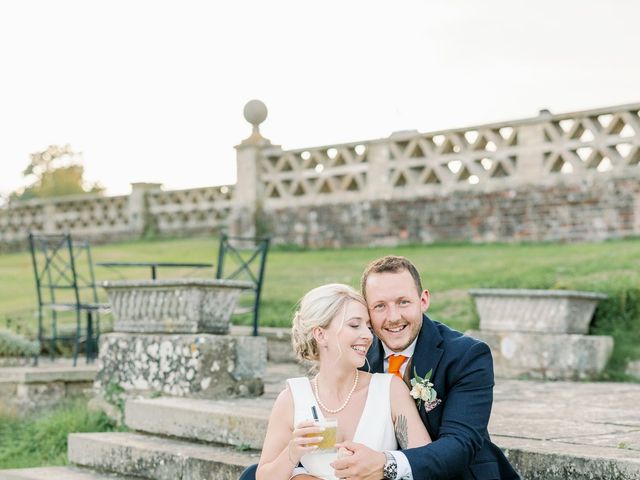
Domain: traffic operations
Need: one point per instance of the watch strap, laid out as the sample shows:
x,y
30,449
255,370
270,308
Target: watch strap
x,y
390,469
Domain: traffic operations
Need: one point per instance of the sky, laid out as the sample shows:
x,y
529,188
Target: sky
x,y
153,90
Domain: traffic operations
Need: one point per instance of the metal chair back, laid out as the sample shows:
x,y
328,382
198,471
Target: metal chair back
x,y
65,282
244,258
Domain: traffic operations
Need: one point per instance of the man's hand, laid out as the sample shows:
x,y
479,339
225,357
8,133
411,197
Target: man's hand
x,y
363,464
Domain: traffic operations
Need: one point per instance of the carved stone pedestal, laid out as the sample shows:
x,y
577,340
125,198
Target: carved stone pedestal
x,y
541,333
171,338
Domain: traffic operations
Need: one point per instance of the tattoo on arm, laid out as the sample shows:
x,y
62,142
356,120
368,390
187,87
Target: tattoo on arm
x,y
402,432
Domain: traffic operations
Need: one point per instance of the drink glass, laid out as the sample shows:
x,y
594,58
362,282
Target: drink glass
x,y
329,436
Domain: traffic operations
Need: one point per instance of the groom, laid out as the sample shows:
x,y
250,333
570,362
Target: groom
x,y
462,376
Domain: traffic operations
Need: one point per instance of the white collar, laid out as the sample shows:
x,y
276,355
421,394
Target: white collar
x,y
407,352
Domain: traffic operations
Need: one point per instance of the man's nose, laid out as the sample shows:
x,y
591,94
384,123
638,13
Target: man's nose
x,y
394,312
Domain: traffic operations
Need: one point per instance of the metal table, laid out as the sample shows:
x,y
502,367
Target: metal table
x,y
154,265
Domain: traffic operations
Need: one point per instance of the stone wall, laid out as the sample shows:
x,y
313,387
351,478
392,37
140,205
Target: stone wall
x,y
570,211
567,177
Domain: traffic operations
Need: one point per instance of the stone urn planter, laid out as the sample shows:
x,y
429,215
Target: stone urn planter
x,y
173,306
541,333
544,311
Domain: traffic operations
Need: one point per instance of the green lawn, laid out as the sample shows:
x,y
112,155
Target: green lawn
x,y
41,439
448,271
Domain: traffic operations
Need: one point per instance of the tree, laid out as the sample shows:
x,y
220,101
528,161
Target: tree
x,y
55,172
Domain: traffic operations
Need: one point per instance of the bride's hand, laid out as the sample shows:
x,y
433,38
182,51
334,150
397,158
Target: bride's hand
x,y
301,444
343,452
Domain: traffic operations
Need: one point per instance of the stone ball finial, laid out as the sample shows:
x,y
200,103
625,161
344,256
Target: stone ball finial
x,y
255,112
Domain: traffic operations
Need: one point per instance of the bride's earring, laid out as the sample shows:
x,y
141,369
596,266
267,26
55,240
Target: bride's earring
x,y
325,337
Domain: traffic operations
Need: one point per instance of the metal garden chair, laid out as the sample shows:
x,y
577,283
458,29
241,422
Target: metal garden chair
x,y
244,258
65,282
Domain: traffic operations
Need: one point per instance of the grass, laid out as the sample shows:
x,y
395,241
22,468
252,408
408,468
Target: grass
x,y
448,271
42,440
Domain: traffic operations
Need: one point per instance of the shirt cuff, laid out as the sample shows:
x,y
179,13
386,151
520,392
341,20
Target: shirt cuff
x,y
299,471
404,469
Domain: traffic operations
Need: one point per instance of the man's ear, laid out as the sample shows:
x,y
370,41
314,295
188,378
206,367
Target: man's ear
x,y
425,300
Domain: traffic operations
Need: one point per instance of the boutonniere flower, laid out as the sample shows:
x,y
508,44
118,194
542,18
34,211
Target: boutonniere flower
x,y
422,391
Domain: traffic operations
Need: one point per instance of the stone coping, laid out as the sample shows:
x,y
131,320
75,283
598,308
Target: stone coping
x,y
177,282
524,292
15,361
59,473
272,333
61,370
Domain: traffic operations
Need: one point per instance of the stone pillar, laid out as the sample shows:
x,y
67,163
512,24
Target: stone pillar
x,y
530,167
636,214
49,216
378,173
248,192
137,206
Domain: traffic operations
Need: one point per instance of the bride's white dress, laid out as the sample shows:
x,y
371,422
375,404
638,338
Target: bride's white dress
x,y
375,428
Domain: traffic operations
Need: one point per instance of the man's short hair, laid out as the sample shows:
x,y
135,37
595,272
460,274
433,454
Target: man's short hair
x,y
390,264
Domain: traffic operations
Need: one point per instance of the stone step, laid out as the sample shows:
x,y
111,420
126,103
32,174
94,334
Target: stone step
x,y
240,423
25,389
157,458
559,460
58,473
47,371
278,341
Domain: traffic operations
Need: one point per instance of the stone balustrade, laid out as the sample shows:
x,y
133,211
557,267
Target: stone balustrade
x,y
409,164
571,176
541,333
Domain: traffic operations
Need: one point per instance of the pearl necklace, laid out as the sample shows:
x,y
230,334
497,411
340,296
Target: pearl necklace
x,y
339,409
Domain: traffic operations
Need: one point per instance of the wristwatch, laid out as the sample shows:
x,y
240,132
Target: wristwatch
x,y
390,469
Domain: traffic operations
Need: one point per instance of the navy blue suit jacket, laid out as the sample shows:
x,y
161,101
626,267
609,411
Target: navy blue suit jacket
x,y
463,379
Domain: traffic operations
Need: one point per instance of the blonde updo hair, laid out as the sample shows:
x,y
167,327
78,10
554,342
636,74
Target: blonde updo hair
x,y
316,309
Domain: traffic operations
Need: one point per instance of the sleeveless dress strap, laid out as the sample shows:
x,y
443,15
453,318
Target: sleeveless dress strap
x,y
303,399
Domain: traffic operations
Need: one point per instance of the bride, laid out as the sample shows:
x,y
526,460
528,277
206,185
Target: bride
x,y
331,329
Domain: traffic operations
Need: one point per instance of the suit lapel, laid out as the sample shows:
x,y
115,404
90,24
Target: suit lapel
x,y
376,356
427,354
408,373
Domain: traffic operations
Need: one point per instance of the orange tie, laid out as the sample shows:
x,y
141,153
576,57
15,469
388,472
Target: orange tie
x,y
395,362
